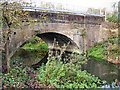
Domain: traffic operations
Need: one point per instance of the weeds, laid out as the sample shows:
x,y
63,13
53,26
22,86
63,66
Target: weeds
x,y
59,72
105,50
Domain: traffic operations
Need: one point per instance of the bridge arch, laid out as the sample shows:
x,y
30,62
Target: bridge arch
x,y
60,40
49,38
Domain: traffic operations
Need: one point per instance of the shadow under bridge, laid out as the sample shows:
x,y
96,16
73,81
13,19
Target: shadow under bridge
x,y
56,41
59,40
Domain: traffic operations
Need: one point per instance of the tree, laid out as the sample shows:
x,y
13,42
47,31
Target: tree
x,y
12,16
114,16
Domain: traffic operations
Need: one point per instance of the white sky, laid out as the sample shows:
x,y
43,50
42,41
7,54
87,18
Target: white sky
x,y
81,5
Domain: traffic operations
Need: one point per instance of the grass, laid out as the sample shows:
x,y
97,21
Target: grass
x,y
104,50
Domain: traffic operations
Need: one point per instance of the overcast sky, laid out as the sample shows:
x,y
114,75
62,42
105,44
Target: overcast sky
x,y
81,5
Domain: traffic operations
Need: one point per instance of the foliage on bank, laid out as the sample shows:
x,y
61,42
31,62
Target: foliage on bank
x,y
32,52
59,75
105,50
55,74
36,44
58,72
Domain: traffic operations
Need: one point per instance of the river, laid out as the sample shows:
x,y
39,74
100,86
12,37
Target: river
x,y
104,70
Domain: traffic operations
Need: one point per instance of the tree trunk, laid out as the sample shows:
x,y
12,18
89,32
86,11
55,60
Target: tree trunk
x,y
7,57
7,50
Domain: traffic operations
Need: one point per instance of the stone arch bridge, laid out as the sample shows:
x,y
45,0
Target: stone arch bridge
x,y
62,26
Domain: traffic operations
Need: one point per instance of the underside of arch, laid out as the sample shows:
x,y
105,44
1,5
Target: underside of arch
x,y
59,40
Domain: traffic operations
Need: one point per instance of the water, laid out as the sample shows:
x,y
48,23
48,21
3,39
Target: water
x,y
29,57
104,70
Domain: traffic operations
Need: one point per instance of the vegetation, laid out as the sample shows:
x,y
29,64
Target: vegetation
x,y
32,52
53,77
36,43
114,16
58,72
61,70
96,52
18,77
12,16
105,50
55,74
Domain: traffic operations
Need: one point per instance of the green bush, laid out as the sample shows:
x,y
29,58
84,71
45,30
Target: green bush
x,y
96,52
65,76
104,50
59,74
17,78
43,47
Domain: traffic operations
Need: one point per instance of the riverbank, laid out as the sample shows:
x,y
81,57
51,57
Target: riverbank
x,y
56,73
106,50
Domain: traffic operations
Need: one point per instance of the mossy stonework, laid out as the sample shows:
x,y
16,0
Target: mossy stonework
x,y
65,25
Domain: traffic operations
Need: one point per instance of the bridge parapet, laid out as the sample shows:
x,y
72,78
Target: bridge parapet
x,y
58,17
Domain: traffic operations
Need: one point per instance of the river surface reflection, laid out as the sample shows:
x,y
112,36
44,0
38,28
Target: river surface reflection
x,y
104,70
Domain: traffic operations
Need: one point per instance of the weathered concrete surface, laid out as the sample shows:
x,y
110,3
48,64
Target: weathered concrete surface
x,y
64,27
